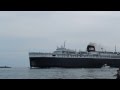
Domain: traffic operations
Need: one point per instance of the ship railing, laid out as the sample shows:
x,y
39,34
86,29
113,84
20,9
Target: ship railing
x,y
40,54
71,55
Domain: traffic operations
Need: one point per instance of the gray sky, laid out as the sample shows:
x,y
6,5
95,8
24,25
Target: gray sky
x,y
25,31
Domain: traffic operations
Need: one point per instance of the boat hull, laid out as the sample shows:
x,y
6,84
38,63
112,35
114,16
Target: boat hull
x,y
46,62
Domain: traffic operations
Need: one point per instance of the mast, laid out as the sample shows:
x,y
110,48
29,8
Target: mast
x,y
64,44
115,48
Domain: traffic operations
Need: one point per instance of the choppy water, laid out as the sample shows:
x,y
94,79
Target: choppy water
x,y
57,73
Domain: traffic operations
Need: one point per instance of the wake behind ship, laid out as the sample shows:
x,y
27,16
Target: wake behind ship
x,y
66,58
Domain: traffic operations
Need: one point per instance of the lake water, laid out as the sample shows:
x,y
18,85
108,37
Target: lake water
x,y
57,73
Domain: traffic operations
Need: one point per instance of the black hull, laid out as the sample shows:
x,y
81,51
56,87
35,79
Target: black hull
x,y
46,62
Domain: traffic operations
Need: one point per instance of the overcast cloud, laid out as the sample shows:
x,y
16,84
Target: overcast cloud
x,y
25,31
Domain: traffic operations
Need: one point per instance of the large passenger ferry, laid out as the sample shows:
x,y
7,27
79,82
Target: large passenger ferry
x,y
67,58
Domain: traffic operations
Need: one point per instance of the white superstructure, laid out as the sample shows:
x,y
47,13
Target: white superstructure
x,y
92,52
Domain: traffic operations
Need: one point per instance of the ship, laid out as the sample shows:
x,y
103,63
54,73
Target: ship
x,y
5,67
92,57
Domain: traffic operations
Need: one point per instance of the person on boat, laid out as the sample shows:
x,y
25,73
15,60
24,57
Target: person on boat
x,y
118,74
